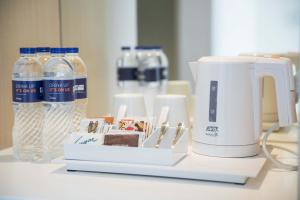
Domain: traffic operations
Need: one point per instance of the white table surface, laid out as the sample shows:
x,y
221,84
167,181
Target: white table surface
x,y
20,180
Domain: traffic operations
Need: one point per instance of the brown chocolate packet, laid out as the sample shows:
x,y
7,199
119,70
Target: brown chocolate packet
x,y
130,140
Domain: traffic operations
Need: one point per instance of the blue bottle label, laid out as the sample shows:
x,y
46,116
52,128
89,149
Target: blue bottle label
x,y
27,91
163,73
152,74
127,74
58,90
80,88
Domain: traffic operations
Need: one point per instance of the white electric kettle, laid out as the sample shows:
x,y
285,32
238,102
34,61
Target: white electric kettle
x,y
228,111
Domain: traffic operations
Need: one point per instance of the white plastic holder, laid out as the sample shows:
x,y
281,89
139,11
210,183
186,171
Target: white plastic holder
x,y
146,154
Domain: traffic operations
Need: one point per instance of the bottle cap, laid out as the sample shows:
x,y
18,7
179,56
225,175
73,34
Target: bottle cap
x,y
42,49
27,50
140,47
148,47
125,48
58,50
156,47
72,50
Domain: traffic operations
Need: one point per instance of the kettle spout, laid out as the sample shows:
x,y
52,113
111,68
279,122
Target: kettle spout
x,y
193,67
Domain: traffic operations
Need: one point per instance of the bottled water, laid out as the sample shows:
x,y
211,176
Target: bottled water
x,y
141,54
127,66
58,82
80,75
149,74
43,54
149,66
27,106
164,69
144,70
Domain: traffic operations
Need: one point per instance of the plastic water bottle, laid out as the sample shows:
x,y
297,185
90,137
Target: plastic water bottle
x,y
149,74
43,54
164,69
149,60
27,106
58,82
140,52
297,80
80,73
127,66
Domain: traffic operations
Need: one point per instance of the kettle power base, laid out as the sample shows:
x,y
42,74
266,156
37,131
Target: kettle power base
x,y
226,151
193,166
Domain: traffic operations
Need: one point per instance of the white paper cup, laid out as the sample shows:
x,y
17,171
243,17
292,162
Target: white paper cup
x,y
171,108
179,87
129,105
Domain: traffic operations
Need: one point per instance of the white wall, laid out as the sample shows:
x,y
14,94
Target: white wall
x,y
156,26
121,30
99,28
255,26
193,34
229,27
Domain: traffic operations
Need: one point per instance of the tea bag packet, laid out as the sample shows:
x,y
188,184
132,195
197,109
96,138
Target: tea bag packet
x,y
131,132
142,125
91,125
108,119
97,125
126,125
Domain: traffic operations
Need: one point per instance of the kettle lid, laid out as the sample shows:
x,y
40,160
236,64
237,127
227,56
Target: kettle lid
x,y
228,59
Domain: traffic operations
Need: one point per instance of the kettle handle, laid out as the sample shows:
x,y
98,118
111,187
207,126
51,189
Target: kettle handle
x,y
281,72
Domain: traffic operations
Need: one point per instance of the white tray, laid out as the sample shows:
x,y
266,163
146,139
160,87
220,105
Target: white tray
x,y
193,166
165,155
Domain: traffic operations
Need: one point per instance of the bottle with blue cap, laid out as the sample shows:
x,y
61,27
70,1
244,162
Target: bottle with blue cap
x,y
141,56
163,68
127,71
27,106
80,73
149,66
58,83
149,74
43,54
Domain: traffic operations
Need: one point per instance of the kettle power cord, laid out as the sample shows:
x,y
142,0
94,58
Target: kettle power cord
x,y
277,163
